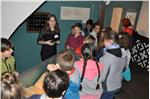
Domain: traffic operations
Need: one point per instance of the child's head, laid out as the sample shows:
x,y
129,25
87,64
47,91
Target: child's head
x,y
89,39
77,28
56,83
110,38
6,47
10,86
124,40
65,60
126,22
96,27
87,51
89,24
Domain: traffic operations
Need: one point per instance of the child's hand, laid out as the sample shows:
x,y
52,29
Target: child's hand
x,y
52,67
68,47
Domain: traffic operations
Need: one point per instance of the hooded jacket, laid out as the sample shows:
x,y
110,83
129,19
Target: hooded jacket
x,y
114,61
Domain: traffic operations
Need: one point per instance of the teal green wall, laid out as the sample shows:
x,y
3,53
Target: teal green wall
x,y
134,6
27,51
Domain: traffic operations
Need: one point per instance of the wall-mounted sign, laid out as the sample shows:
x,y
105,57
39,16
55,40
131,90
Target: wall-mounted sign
x,y
131,16
75,13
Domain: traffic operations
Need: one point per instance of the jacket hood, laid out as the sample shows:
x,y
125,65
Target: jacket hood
x,y
116,52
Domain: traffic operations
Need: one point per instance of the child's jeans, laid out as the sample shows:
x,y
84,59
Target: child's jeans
x,y
108,95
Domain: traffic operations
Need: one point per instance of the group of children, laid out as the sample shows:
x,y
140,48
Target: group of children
x,y
96,75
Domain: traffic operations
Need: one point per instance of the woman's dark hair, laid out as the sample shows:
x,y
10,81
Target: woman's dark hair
x,y
126,22
57,30
124,40
55,83
5,44
10,86
111,35
87,53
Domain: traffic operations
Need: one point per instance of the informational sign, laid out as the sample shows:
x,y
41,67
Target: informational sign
x,y
75,13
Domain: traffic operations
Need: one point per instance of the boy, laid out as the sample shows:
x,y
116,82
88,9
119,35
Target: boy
x,y
7,60
65,62
55,84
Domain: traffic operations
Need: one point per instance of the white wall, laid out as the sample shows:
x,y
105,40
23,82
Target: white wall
x,y
14,13
143,22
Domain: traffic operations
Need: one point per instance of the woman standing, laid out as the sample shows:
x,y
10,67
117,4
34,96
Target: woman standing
x,y
49,38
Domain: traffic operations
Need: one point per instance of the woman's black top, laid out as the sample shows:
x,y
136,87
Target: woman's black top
x,y
47,50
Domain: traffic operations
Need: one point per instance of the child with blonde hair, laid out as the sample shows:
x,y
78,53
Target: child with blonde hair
x,y
11,88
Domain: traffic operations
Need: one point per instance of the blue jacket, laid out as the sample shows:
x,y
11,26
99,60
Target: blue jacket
x,y
38,96
74,85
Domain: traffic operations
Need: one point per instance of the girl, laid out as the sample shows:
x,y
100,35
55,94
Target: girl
x,y
114,60
127,26
95,32
125,44
90,72
49,38
88,39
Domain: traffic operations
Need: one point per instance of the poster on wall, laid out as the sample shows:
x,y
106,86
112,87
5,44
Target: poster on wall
x,y
74,13
131,16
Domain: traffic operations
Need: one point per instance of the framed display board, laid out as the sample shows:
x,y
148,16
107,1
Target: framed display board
x,y
131,16
36,21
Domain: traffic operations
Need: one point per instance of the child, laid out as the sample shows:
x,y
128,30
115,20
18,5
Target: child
x,y
55,84
127,26
65,61
10,86
76,39
100,46
7,60
90,71
125,44
94,33
87,39
114,60
88,27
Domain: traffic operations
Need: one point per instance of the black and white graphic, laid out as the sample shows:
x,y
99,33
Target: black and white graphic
x,y
140,52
